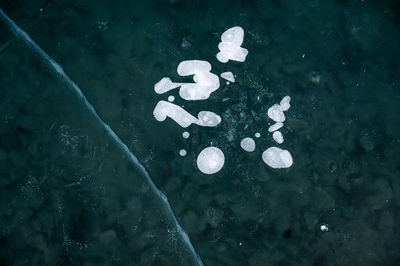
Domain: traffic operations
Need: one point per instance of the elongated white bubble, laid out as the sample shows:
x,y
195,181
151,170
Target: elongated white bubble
x,y
257,135
248,144
56,70
165,109
275,126
208,119
275,112
210,160
285,103
204,84
278,137
277,158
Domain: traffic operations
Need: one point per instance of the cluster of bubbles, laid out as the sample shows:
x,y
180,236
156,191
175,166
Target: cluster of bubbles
x,y
211,159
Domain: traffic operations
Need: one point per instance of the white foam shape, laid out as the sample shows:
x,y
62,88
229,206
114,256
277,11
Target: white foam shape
x,y
230,51
257,135
164,85
210,160
275,112
171,98
248,144
165,109
278,137
205,81
277,158
285,103
228,76
233,35
208,119
185,135
275,126
229,47
182,152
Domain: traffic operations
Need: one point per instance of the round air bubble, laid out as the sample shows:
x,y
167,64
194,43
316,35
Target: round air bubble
x,y
210,160
182,152
257,135
248,144
185,135
171,98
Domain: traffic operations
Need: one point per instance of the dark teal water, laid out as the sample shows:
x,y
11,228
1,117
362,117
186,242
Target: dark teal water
x,y
68,196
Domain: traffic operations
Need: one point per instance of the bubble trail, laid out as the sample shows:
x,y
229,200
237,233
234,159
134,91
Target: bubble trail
x,y
57,71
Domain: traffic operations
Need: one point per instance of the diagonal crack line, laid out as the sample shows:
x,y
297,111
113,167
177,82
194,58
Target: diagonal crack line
x,y
57,71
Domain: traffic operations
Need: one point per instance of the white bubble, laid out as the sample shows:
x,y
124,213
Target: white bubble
x,y
171,98
277,158
275,126
275,112
248,144
228,76
182,152
257,135
208,119
210,160
285,103
277,136
229,47
165,109
324,228
185,135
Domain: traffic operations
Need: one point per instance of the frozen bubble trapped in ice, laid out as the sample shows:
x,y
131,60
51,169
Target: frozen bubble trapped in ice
x,y
228,76
275,112
248,144
208,119
277,158
277,136
171,98
229,47
182,152
185,135
285,103
210,160
275,126
257,135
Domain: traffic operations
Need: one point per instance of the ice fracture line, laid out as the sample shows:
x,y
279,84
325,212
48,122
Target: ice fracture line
x,y
57,71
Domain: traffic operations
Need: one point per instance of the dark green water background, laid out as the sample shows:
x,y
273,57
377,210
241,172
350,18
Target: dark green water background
x,y
69,197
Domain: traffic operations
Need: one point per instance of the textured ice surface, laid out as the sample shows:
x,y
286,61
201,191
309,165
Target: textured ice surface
x,y
277,136
229,47
277,158
205,81
228,76
182,152
248,144
210,160
185,135
275,126
165,109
